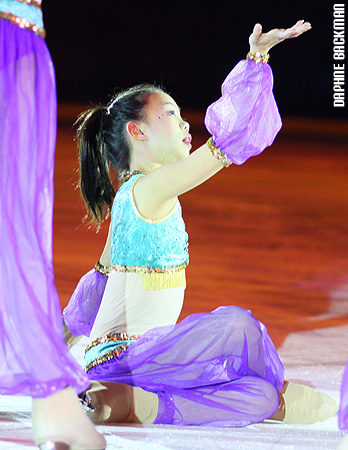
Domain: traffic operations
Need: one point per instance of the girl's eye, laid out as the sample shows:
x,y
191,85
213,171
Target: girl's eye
x,y
168,113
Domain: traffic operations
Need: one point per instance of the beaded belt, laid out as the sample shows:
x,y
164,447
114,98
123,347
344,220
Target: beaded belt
x,y
110,346
17,11
36,3
153,278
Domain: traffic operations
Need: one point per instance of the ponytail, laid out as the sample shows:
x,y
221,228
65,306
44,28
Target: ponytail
x,y
96,188
102,141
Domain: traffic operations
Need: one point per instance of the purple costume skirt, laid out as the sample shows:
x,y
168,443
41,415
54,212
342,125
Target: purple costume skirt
x,y
219,368
33,357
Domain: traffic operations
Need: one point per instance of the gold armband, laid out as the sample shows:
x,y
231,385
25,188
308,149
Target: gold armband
x,y
218,154
258,57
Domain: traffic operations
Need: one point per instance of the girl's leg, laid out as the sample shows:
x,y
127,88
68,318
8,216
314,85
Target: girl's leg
x,y
247,400
235,403
238,403
121,403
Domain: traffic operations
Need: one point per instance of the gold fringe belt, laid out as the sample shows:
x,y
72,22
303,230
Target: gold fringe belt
x,y
153,278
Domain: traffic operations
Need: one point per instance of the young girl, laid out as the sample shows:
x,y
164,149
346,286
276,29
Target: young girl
x,y
219,368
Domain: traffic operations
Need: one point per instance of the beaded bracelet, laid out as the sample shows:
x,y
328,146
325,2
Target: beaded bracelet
x,y
258,57
218,154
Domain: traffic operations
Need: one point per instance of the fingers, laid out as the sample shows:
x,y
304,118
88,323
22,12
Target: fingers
x,y
255,35
257,29
263,42
300,27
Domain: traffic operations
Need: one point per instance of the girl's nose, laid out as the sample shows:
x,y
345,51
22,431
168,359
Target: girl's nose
x,y
185,125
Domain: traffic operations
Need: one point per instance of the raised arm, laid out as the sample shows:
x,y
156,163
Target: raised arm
x,y
243,122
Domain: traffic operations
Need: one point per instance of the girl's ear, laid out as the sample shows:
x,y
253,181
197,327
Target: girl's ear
x,y
134,131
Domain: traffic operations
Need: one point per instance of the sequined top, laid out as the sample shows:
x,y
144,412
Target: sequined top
x,y
146,284
24,13
145,243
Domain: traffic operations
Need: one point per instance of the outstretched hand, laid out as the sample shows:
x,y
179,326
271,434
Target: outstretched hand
x,y
263,42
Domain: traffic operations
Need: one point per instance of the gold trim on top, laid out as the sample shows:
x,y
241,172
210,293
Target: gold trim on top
x,y
152,278
102,269
127,175
23,23
156,278
146,269
141,216
36,3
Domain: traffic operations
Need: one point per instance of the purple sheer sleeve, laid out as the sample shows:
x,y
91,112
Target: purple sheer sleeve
x,y
82,309
245,119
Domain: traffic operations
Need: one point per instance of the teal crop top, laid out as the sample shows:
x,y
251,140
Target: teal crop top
x,y
26,14
156,249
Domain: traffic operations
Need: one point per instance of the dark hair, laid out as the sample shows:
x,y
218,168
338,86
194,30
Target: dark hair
x,y
102,140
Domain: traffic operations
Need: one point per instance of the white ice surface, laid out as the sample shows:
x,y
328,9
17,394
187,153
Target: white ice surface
x,y
315,358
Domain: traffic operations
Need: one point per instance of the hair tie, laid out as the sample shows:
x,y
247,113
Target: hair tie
x,y
108,108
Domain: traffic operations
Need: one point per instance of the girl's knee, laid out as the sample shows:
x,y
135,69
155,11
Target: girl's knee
x,y
269,400
261,396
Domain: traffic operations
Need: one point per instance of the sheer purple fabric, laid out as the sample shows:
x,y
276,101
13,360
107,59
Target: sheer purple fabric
x,y
245,120
219,368
33,357
343,409
79,315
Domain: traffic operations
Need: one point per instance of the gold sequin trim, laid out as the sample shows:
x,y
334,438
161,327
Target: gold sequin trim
x,y
137,269
125,176
107,357
145,269
112,337
156,278
102,269
23,23
218,154
153,278
36,3
257,57
144,218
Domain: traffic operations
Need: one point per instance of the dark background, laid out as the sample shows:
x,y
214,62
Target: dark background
x,y
189,47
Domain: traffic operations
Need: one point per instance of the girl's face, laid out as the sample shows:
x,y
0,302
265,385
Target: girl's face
x,y
167,134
